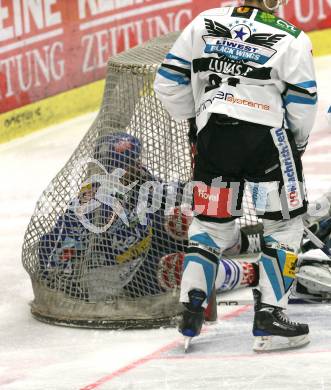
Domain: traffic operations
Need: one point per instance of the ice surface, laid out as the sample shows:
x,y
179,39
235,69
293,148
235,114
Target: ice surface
x,y
36,356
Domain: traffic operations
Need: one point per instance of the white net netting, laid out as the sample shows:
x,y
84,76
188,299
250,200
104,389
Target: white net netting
x,y
99,230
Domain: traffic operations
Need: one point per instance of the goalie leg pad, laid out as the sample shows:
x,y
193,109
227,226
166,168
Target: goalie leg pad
x,y
170,270
316,277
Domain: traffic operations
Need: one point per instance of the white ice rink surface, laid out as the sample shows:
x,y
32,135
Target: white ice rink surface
x,y
36,356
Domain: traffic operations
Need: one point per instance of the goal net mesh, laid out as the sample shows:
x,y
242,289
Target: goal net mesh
x,y
92,254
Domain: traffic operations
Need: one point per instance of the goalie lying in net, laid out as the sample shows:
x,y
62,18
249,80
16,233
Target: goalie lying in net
x,y
125,259
92,264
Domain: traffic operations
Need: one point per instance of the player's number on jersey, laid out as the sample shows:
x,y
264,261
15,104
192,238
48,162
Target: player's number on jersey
x,y
214,82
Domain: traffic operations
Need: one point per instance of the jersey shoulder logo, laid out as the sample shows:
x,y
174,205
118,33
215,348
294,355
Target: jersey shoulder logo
x,y
274,21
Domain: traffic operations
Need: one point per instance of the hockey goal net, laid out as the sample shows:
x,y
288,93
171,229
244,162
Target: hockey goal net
x,y
88,266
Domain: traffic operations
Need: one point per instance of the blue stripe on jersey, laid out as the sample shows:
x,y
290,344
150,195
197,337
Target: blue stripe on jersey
x,y
209,269
170,56
307,84
268,239
174,77
299,100
205,239
271,272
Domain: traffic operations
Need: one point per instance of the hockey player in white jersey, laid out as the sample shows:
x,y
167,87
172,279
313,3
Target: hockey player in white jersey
x,y
247,77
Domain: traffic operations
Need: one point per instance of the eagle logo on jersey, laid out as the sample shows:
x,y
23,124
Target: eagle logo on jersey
x,y
216,29
263,39
239,44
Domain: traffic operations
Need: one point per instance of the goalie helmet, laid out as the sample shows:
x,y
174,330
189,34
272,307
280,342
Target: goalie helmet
x,y
117,150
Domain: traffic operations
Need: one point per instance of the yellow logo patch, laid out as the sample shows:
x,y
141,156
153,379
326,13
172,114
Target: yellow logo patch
x,y
290,265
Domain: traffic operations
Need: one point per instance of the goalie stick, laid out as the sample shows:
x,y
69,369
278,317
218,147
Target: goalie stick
x,y
317,242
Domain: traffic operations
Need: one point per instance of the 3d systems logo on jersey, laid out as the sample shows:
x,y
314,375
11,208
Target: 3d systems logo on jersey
x,y
229,97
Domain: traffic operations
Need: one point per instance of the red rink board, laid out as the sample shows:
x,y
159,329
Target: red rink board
x,y
50,46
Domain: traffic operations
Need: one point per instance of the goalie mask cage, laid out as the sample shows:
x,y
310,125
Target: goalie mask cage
x,y
83,275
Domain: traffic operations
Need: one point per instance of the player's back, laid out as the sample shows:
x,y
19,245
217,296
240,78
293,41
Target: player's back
x,y
239,55
237,61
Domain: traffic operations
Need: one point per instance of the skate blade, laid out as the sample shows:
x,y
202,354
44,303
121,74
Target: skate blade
x,y
207,322
277,343
187,343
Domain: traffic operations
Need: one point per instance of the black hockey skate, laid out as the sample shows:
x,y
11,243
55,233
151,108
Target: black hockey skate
x,y
271,321
193,316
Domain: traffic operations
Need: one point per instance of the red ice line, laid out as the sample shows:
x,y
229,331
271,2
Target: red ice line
x,y
156,354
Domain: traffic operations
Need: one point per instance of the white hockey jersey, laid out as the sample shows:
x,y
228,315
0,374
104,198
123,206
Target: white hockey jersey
x,y
244,63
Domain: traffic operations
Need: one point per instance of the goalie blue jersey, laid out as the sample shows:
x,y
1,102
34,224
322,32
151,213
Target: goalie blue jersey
x,y
132,252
